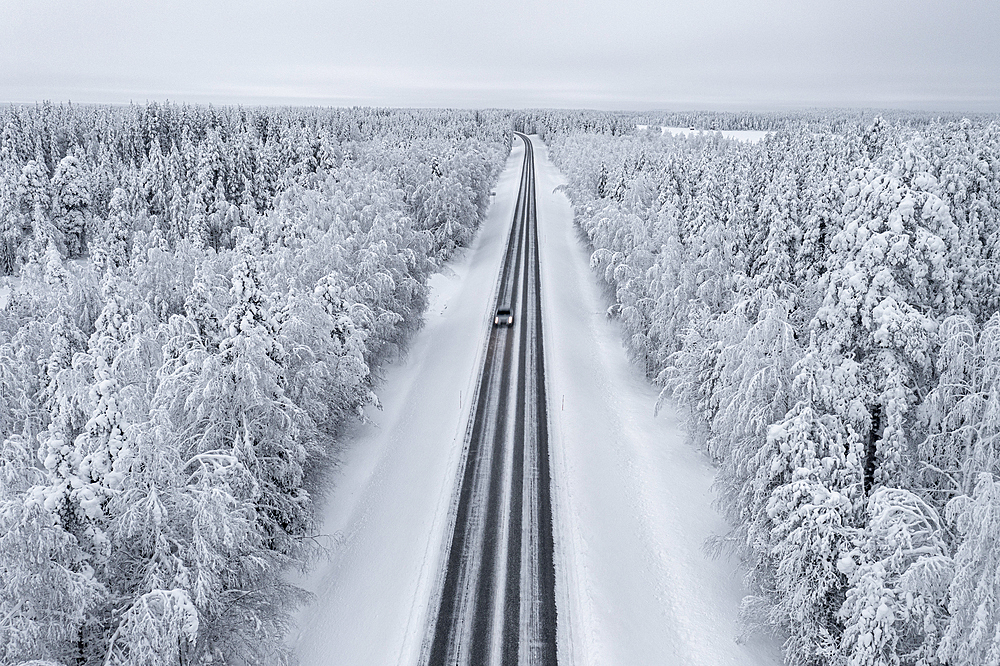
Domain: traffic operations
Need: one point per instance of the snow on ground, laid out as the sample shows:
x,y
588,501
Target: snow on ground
x,y
389,504
632,500
751,136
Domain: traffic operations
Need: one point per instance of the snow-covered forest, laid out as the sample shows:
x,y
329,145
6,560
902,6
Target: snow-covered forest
x,y
194,304
823,305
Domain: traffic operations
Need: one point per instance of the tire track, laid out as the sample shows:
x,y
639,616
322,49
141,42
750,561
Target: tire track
x,y
497,591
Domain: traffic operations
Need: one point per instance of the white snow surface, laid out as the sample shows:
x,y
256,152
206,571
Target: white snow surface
x,y
631,498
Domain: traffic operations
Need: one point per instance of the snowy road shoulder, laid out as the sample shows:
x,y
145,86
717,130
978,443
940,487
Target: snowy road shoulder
x,y
632,499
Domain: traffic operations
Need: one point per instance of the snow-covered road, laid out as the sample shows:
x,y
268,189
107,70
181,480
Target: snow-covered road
x,y
631,499
495,599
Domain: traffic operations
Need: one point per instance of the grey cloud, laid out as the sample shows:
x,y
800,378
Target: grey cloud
x,y
633,54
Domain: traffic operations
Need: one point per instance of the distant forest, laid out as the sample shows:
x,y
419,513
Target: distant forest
x,y
195,302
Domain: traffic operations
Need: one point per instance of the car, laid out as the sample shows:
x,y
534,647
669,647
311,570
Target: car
x,y
503,317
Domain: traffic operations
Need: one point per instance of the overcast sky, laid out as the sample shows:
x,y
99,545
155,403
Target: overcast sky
x,y
627,54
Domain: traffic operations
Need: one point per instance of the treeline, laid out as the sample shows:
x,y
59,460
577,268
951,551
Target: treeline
x,y
196,303
823,120
548,123
824,308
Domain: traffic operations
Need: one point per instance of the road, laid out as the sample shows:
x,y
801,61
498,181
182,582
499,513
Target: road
x,y
495,603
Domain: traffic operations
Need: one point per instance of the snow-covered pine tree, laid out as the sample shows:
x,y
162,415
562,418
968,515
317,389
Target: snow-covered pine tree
x,y
888,276
797,495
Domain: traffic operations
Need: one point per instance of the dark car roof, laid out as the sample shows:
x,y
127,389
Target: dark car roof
x,y
503,311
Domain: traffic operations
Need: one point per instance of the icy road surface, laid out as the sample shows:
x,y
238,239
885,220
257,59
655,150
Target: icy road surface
x,y
631,500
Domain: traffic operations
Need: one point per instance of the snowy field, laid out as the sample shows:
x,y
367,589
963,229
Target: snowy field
x,y
632,500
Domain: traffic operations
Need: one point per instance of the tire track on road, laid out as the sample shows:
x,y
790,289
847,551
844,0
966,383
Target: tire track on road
x,y
497,590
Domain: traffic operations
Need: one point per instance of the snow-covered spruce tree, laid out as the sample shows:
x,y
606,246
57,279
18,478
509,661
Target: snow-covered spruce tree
x,y
102,448
200,310
12,223
826,161
239,405
154,185
711,249
34,201
71,204
67,396
671,289
66,339
112,250
779,217
53,271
